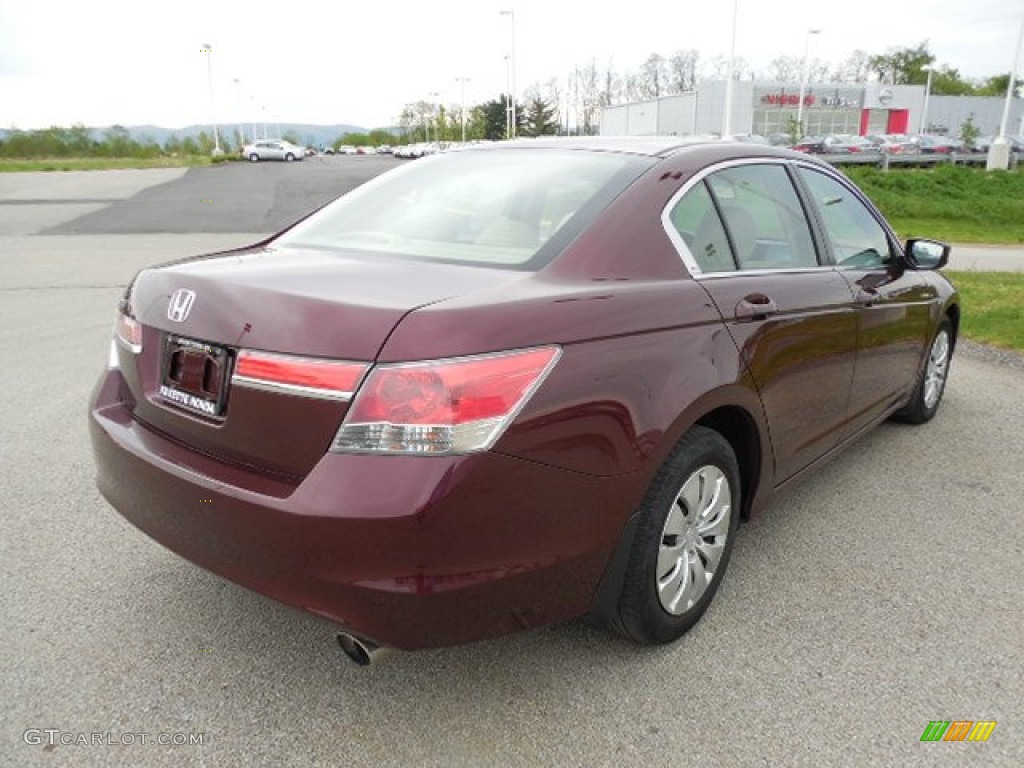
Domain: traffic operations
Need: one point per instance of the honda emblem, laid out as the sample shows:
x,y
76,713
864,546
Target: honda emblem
x,y
180,305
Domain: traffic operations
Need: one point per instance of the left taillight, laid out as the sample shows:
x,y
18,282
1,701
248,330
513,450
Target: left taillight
x,y
438,407
127,334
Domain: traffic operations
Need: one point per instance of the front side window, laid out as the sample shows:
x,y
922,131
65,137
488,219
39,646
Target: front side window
x,y
486,207
856,237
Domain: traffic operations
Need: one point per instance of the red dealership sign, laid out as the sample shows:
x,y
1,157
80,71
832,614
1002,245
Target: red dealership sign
x,y
786,99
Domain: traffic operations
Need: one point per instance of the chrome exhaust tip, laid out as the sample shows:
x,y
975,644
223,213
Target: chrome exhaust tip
x,y
361,651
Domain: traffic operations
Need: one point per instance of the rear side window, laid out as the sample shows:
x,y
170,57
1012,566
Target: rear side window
x,y
495,208
696,220
747,217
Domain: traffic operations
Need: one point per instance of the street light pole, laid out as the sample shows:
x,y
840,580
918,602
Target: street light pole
x,y
508,97
1012,83
241,123
512,65
727,118
208,50
999,151
433,110
927,94
462,117
803,81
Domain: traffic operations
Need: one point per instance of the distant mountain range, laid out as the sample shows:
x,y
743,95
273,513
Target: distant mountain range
x,y
311,135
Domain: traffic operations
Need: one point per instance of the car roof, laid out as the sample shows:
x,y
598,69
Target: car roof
x,y
651,146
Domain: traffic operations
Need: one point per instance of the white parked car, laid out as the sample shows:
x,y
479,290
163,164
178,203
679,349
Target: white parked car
x,y
273,149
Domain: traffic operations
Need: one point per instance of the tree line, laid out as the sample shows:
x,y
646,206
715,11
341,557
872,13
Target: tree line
x,y
574,104
426,121
115,141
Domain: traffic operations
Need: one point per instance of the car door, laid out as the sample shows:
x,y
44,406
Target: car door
x,y
894,303
750,246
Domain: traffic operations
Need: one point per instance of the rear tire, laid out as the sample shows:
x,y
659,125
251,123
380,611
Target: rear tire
x,y
931,385
685,534
289,157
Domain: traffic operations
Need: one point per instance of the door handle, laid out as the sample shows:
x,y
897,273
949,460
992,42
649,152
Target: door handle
x,y
867,297
756,306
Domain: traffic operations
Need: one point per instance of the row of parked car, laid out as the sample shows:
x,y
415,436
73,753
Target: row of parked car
x,y
836,144
352,149
407,151
280,149
897,144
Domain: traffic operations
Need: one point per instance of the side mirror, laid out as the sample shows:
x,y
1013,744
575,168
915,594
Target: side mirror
x,y
926,254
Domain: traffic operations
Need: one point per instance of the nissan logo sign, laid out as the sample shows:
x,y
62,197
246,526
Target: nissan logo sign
x,y
180,305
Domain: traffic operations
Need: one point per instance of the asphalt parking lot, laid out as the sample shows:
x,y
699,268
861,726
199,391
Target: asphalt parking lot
x,y
885,592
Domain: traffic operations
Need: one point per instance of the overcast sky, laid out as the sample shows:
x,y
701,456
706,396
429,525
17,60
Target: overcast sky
x,y
118,61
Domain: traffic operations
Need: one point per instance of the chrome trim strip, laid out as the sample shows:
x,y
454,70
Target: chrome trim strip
x,y
291,389
763,272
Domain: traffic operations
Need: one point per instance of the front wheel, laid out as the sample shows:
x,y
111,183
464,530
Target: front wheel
x,y
289,157
924,403
254,158
685,536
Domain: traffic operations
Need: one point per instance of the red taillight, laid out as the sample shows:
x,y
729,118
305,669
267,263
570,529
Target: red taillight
x,y
128,331
443,406
313,377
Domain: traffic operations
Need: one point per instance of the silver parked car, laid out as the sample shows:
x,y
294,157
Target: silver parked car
x,y
273,149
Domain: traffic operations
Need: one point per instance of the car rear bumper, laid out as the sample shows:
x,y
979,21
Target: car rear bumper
x,y
409,552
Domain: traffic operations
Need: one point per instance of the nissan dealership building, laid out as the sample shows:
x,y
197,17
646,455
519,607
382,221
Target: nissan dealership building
x,y
766,108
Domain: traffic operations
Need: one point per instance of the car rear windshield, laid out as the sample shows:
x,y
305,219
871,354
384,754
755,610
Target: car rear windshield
x,y
506,208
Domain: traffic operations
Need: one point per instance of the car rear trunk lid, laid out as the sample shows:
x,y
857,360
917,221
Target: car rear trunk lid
x,y
197,316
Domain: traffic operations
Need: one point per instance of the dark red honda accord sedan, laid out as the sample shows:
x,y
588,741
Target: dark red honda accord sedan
x,y
511,385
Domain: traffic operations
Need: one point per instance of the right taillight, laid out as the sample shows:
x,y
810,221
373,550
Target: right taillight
x,y
458,405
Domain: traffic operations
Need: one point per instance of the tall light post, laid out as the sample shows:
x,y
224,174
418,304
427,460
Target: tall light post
x,y
512,66
208,50
999,151
727,118
239,106
462,117
433,111
803,80
508,96
927,94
